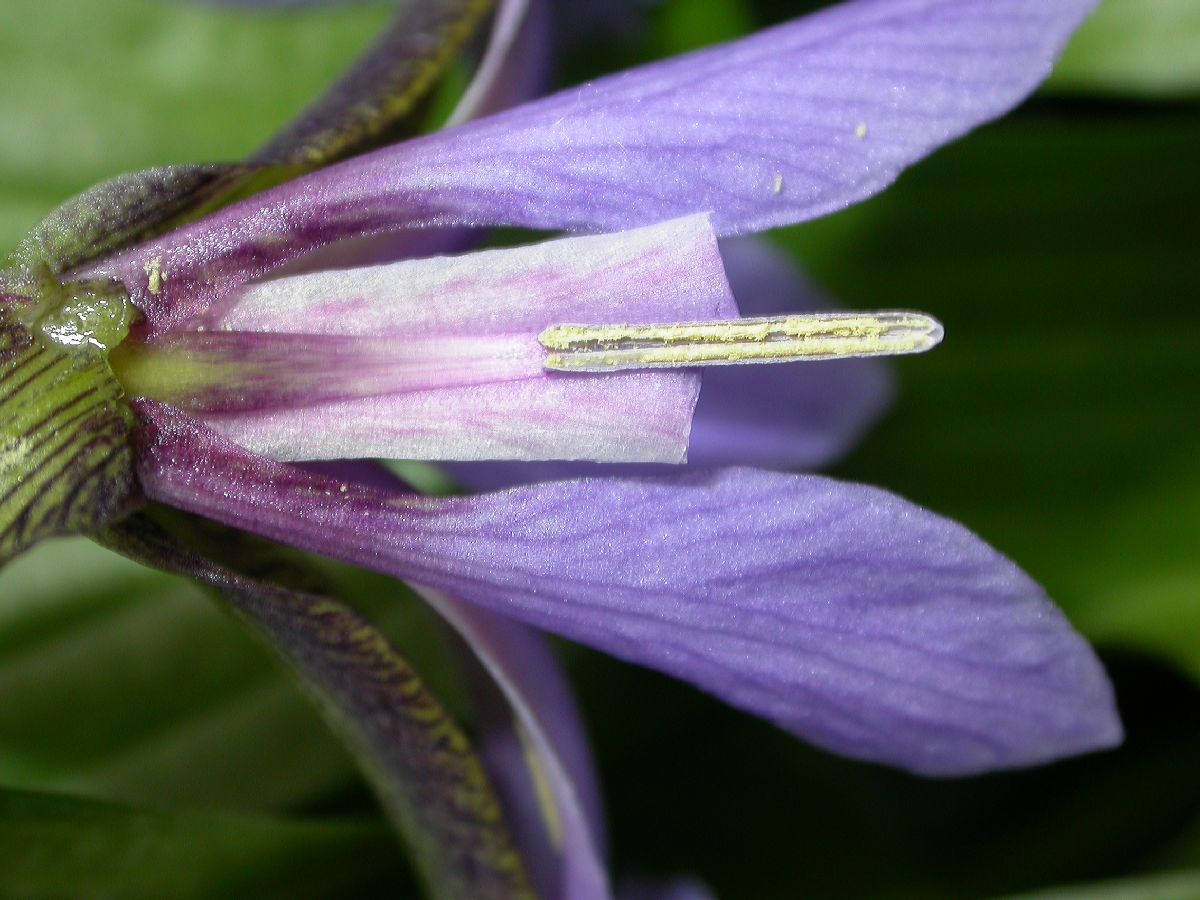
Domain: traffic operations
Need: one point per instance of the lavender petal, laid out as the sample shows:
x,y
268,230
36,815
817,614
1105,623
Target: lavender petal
x,y
859,621
780,127
564,848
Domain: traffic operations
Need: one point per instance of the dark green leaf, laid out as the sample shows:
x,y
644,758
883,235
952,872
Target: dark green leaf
x,y
126,684
56,846
1148,48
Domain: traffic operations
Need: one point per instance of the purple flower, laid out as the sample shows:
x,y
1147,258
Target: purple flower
x,y
854,619
849,616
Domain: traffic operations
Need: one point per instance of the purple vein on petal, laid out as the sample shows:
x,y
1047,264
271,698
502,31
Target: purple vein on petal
x,y
780,127
859,621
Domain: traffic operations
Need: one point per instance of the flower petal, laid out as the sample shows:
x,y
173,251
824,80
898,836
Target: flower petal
x,y
763,132
467,381
515,65
783,126
869,626
639,417
549,737
661,273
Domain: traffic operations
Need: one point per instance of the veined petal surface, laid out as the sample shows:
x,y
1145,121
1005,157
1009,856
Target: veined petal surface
x,y
859,621
659,273
780,127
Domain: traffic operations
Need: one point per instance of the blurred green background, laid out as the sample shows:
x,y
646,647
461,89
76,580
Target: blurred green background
x,y
149,748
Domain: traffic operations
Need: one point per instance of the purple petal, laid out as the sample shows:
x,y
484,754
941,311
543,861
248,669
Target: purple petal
x,y
869,626
763,132
780,127
639,417
522,666
438,358
780,417
515,66
660,273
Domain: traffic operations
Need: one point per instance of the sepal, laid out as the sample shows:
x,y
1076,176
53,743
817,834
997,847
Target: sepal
x,y
422,765
382,88
115,213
